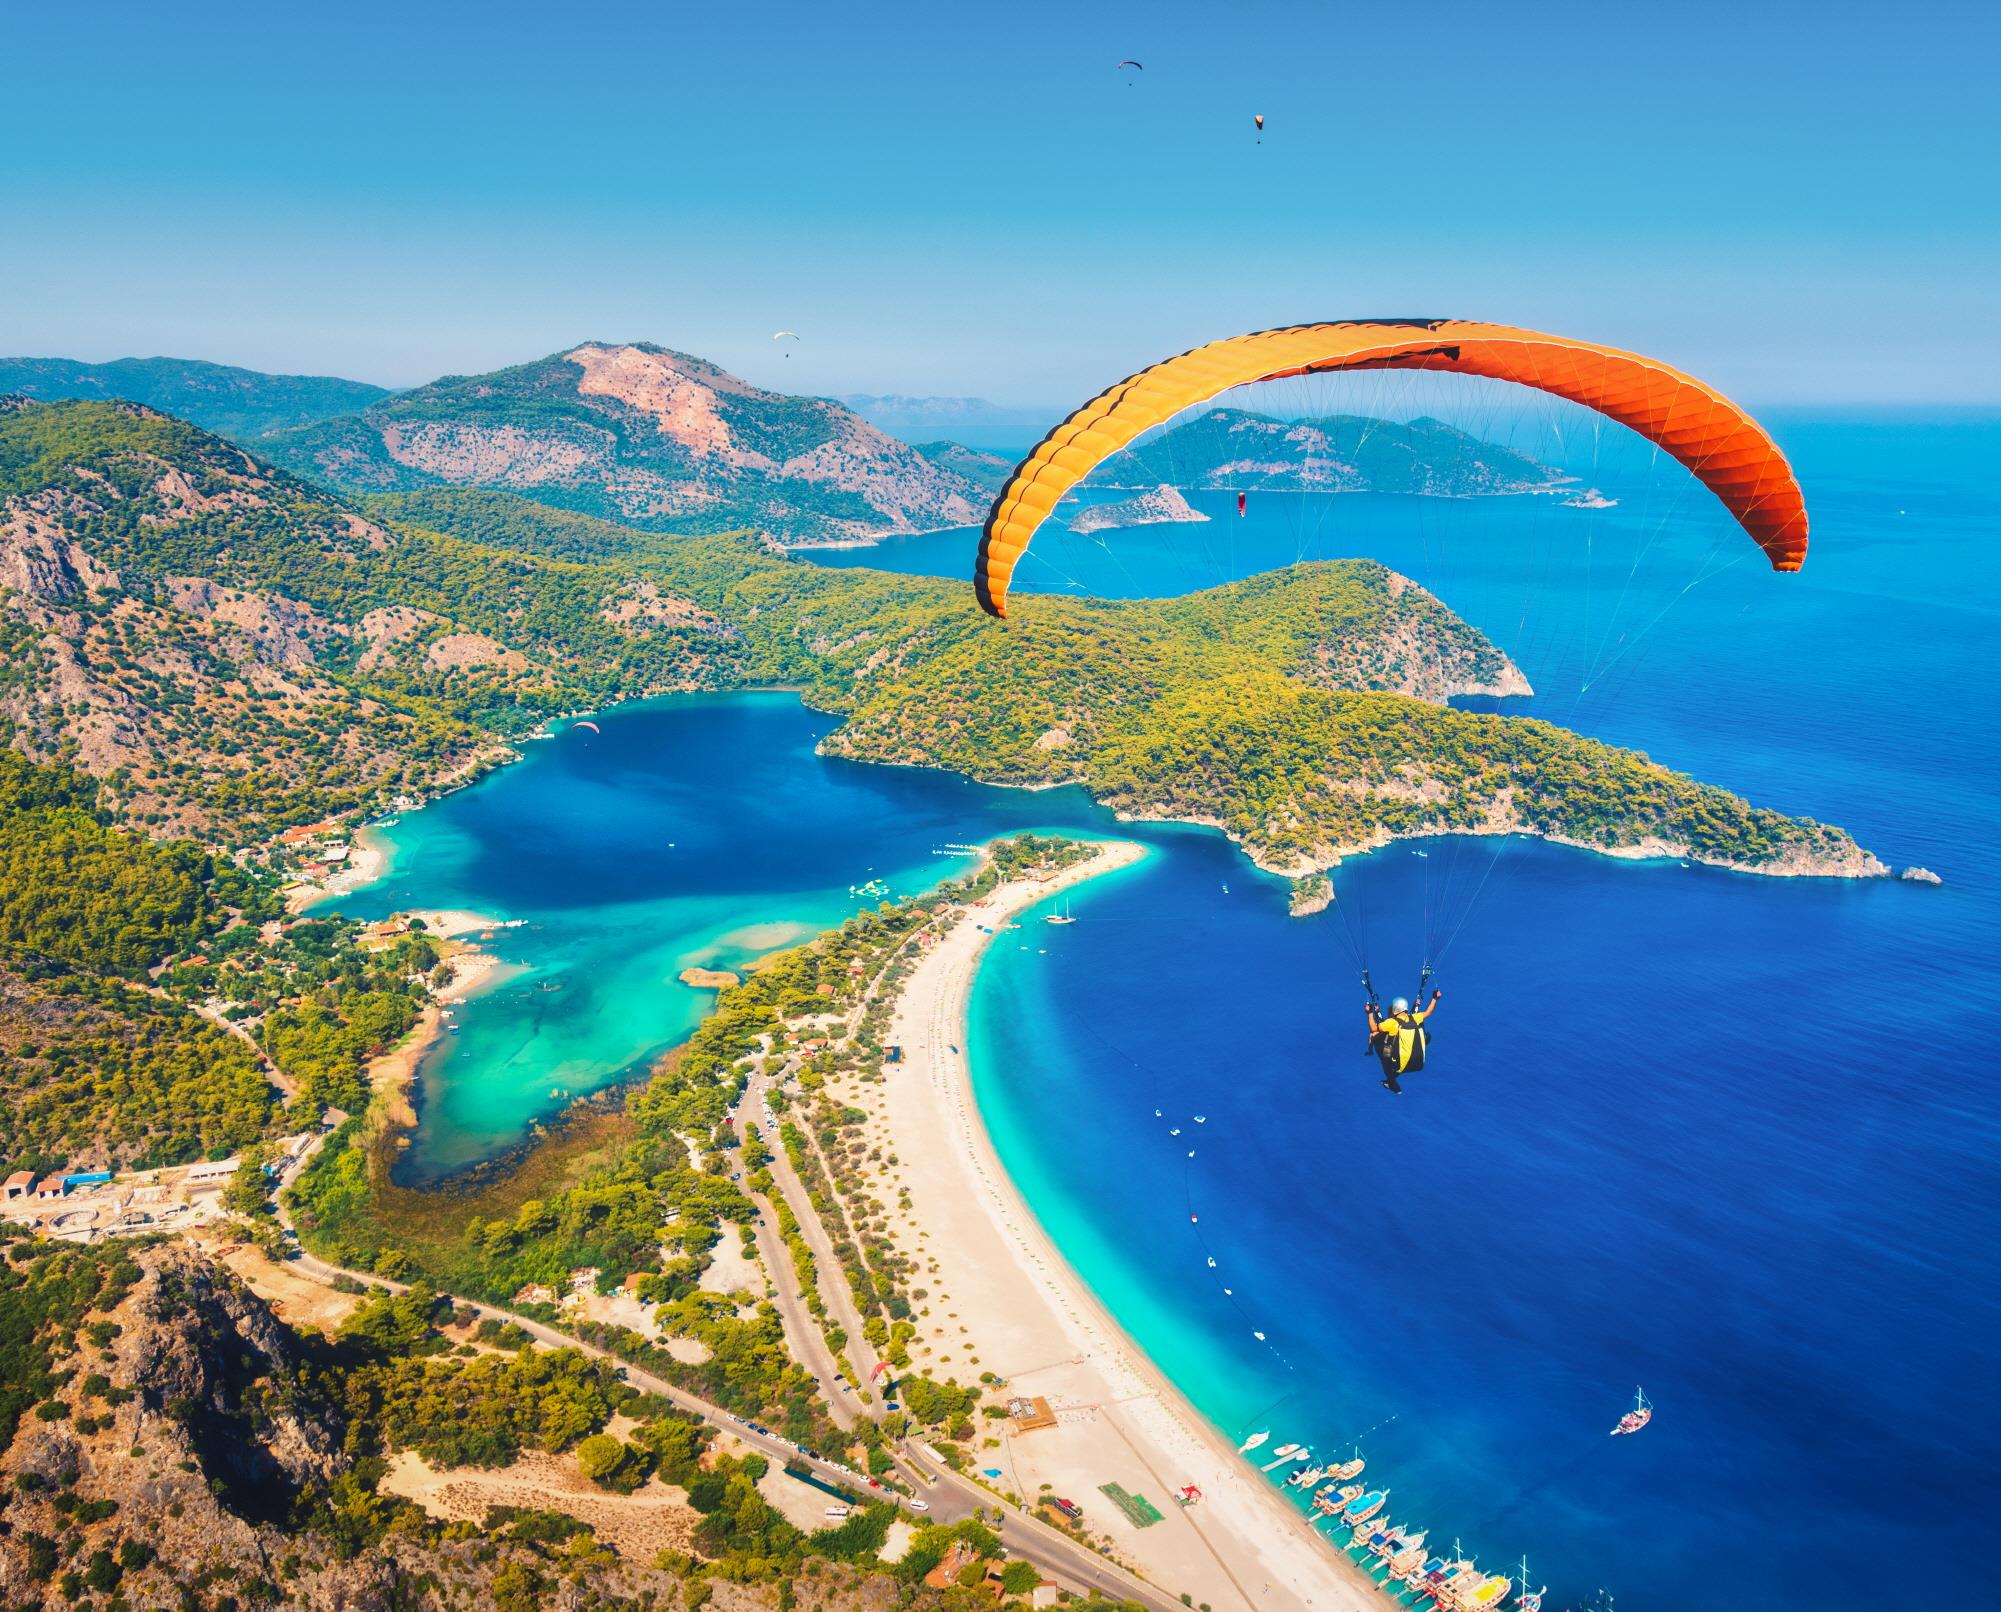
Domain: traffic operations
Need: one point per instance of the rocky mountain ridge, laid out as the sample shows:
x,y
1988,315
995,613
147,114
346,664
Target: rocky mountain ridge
x,y
647,436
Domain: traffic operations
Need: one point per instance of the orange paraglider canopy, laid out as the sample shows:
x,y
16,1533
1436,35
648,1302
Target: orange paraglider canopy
x,y
1726,450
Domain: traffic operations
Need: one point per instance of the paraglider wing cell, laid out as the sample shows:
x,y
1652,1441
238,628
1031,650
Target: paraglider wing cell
x,y
1725,449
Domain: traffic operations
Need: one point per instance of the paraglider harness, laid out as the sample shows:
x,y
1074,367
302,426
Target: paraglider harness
x,y
1383,1044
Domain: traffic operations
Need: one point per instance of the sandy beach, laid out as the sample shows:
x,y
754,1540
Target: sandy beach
x,y
1002,1299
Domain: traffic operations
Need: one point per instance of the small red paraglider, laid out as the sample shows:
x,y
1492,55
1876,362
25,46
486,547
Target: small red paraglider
x,y
1242,500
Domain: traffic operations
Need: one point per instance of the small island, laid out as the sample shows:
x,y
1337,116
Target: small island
x,y
709,979
1311,893
1164,504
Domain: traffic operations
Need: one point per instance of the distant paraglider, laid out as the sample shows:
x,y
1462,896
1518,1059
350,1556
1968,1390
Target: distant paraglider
x,y
1243,499
1141,66
591,725
785,335
1259,119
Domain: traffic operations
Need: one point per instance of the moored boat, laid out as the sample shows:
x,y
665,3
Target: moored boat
x,y
1388,1539
1347,1470
1283,1454
1306,1475
1636,1418
1254,1440
1366,1506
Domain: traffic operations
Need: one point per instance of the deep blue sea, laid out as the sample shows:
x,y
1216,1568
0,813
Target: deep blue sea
x,y
1730,1138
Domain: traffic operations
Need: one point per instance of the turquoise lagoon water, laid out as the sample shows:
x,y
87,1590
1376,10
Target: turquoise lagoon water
x,y
1730,1138
697,832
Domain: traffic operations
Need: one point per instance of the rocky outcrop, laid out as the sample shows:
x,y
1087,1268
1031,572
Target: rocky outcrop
x,y
1920,876
204,1353
204,1467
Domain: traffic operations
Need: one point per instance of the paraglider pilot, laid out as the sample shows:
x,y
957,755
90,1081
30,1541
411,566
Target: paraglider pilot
x,y
1398,1040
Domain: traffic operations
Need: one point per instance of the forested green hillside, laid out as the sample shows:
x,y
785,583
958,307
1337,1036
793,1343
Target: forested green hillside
x,y
292,655
112,948
1234,448
232,402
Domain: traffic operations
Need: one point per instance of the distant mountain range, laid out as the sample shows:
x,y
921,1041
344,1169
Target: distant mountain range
x,y
1235,449
666,442
643,435
240,403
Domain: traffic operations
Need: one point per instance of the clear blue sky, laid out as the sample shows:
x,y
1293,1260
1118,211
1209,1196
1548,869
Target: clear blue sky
x,y
1798,201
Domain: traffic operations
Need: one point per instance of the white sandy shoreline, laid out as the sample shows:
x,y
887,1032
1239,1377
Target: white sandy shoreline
x,y
1003,1291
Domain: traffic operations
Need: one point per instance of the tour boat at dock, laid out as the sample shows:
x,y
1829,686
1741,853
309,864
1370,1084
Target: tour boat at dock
x,y
1306,1475
1362,1509
1332,1500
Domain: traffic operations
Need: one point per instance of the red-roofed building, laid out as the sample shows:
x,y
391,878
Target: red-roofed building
x,y
958,1556
18,1185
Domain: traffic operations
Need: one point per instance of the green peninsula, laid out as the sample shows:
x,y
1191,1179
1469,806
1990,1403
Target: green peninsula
x,y
234,651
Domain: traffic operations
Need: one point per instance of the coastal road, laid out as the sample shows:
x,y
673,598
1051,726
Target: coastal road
x,y
838,1296
947,1497
802,1328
